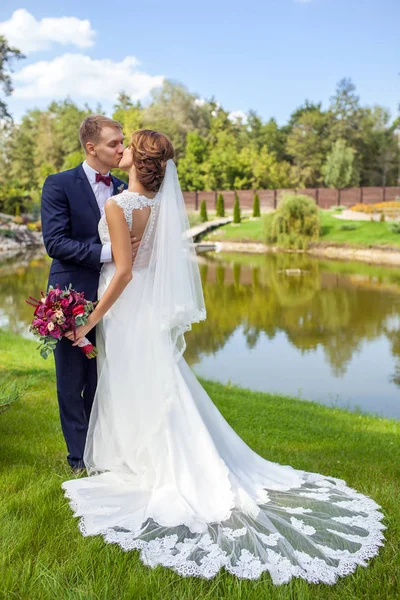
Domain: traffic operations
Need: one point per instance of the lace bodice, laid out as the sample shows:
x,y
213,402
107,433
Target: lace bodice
x,y
128,201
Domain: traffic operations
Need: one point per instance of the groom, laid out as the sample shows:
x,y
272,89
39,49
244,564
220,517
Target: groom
x,y
72,204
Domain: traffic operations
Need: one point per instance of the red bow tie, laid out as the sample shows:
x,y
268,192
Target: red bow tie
x,y
104,178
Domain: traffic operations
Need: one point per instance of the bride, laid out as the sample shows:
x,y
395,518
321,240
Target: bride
x,y
167,474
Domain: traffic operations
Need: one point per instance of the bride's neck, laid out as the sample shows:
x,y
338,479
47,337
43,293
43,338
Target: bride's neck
x,y
135,186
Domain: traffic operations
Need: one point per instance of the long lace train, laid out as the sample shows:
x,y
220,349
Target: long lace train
x,y
202,500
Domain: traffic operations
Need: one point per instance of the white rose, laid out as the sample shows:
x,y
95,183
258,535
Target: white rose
x,y
50,326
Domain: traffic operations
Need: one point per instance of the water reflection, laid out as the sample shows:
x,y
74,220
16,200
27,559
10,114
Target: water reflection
x,y
343,318
330,331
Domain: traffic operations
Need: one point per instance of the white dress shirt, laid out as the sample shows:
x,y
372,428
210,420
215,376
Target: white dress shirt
x,y
102,192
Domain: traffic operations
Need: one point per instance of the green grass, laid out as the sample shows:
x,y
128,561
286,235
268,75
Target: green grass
x,y
43,555
366,233
249,230
333,230
195,219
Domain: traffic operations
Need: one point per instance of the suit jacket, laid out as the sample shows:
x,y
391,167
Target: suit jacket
x,y
70,217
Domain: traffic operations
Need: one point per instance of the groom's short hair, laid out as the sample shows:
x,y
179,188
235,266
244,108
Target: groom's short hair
x,y
90,129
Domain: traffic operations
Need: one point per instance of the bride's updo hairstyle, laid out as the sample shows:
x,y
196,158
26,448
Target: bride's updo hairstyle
x,y
151,150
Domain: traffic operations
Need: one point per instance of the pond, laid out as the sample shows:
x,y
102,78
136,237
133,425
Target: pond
x,y
321,330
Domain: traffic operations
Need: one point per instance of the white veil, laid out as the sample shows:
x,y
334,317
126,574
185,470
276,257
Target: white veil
x,y
173,284
142,336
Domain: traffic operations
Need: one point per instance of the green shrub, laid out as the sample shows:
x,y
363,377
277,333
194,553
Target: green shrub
x,y
8,233
220,208
236,210
256,206
295,223
394,227
203,211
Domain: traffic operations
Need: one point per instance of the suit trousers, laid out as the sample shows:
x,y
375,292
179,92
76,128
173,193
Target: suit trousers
x,y
76,387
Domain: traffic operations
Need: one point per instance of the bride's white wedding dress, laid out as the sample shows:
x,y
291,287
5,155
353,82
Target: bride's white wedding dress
x,y
168,475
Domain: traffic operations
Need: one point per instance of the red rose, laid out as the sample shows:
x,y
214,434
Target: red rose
x,y
78,310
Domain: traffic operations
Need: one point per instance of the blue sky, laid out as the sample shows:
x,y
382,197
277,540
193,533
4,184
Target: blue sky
x,y
268,56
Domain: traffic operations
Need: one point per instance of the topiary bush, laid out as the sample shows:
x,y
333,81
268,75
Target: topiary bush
x,y
203,211
256,206
236,210
295,223
220,208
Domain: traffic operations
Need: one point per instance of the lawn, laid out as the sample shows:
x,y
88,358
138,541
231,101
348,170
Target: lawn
x,y
44,557
249,230
333,230
365,233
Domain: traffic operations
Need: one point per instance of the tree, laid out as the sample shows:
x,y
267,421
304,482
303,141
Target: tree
x,y
346,118
301,110
72,160
21,151
256,206
220,208
191,165
129,114
268,135
175,111
261,170
7,55
308,145
379,151
67,118
236,210
203,211
222,165
340,170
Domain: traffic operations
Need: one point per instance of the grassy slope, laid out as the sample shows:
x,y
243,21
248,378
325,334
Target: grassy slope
x,y
43,555
368,233
249,230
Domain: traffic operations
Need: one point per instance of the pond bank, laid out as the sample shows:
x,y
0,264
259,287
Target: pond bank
x,y
17,238
381,255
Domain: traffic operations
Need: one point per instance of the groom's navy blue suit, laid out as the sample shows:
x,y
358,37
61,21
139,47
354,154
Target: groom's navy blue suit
x,y
70,217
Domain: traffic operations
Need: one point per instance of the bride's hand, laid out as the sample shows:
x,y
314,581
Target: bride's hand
x,y
81,331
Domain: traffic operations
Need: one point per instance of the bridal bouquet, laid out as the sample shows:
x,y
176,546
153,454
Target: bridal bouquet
x,y
58,312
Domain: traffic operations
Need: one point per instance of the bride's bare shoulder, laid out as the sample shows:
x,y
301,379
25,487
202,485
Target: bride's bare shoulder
x,y
113,207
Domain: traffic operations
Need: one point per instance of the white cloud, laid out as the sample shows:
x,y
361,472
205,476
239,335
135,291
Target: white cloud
x,y
238,116
80,76
29,35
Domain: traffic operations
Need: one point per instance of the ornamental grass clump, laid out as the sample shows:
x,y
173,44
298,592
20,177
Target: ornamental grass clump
x,y
295,223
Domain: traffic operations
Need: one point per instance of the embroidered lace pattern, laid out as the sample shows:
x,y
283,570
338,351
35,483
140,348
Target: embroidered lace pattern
x,y
338,530
128,201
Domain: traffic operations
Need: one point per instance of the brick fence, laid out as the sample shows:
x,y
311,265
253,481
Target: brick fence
x,y
324,197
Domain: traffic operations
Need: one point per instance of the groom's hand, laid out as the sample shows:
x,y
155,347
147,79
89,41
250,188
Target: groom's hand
x,y
135,243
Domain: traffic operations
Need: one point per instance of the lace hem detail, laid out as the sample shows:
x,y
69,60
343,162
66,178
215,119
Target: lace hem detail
x,y
223,545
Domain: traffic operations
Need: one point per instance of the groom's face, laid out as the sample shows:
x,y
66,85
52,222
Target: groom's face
x,y
110,147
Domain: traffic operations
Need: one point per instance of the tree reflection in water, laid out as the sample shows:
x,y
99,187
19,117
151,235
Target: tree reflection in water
x,y
321,307
331,305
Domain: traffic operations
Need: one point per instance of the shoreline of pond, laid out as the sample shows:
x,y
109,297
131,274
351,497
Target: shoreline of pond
x,y
384,255
379,255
